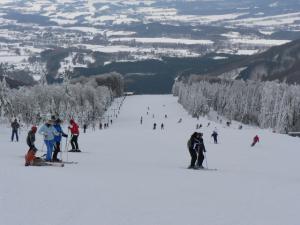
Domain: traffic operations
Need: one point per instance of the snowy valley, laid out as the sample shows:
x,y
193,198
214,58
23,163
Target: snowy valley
x,y
90,37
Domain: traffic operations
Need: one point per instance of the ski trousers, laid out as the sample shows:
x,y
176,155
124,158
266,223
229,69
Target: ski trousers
x,y
56,150
49,145
200,158
74,142
193,156
13,134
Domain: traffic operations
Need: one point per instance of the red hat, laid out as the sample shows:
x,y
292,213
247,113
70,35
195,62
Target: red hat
x,y
71,121
34,128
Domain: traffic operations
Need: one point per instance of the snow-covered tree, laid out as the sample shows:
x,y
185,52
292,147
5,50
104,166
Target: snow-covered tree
x,y
266,104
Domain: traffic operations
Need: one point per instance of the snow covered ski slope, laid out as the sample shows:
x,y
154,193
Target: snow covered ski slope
x,y
131,174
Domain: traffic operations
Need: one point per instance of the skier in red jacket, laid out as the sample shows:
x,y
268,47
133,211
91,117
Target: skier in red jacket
x,y
255,140
74,128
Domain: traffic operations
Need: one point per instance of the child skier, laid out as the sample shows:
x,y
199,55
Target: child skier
x,y
31,138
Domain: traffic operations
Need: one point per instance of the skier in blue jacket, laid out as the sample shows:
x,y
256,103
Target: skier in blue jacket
x,y
48,131
57,139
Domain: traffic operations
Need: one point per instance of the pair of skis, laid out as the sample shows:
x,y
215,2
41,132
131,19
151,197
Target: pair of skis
x,y
204,169
61,163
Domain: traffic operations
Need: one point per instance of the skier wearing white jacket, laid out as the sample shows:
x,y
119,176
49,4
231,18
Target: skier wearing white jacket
x,y
49,132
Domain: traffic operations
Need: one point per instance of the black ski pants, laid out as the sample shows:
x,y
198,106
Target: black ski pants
x,y
56,150
193,156
200,158
215,139
74,142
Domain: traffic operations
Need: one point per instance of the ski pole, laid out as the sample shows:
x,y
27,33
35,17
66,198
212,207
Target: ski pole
x,y
66,146
205,160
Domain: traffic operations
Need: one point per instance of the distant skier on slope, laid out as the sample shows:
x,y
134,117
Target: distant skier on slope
x,y
74,128
162,126
215,136
15,127
141,120
154,126
255,140
84,128
180,120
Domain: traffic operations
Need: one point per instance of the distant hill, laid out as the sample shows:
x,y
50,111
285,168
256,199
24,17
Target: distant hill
x,y
280,63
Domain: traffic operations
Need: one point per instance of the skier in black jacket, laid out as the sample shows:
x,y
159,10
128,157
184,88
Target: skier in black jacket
x,y
215,136
200,148
192,150
15,127
31,138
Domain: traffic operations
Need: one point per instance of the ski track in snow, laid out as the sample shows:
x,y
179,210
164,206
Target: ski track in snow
x,y
133,175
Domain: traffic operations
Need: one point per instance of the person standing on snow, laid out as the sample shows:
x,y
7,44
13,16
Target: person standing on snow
x,y
154,126
255,140
84,128
30,156
200,148
15,127
31,138
215,136
49,132
57,139
192,150
74,128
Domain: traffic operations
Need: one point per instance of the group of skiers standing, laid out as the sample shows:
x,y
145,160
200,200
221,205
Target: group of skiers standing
x,y
52,133
197,150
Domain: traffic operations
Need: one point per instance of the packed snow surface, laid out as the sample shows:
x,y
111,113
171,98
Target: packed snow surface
x,y
131,174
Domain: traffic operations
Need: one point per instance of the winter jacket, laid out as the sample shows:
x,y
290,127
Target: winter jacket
x,y
198,144
60,132
74,128
15,125
30,140
256,139
214,134
49,132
